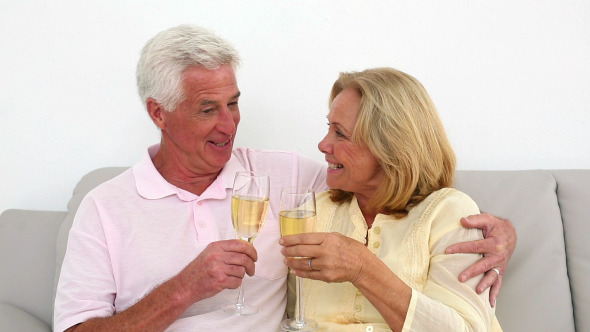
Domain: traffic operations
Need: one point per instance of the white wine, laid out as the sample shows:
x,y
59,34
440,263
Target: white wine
x,y
296,221
248,214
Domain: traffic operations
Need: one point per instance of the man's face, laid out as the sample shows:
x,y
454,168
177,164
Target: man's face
x,y
199,134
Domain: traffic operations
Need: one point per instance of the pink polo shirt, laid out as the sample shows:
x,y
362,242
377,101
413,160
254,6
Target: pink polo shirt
x,y
136,231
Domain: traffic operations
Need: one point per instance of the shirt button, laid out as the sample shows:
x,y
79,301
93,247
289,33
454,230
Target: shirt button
x,y
369,329
376,244
202,225
357,308
377,230
359,293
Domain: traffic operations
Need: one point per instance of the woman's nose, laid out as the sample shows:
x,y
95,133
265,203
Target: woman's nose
x,y
324,146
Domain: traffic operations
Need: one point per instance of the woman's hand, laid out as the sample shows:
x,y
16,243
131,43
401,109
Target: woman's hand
x,y
330,257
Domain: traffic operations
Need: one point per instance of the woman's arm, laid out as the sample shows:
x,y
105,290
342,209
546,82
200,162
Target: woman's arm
x,y
338,259
443,303
497,248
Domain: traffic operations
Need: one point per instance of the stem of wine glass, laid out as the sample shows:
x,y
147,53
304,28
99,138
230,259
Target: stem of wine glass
x,y
240,300
299,320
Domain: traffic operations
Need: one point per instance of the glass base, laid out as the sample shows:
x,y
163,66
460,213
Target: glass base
x,y
293,325
243,310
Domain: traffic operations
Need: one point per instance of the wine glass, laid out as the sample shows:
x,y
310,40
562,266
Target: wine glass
x,y
297,215
249,205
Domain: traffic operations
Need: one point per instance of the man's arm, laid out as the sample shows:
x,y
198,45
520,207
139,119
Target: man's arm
x,y
497,247
221,265
155,312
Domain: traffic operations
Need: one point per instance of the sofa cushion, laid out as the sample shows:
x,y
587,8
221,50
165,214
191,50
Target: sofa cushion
x,y
537,269
27,244
573,196
16,319
86,183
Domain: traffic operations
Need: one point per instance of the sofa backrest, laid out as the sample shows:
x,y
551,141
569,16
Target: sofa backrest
x,y
536,292
573,193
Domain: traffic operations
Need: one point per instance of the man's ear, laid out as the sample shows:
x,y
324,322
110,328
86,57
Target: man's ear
x,y
156,110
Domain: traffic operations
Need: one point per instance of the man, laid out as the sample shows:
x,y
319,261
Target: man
x,y
154,248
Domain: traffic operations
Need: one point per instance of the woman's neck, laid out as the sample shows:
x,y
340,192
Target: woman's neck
x,y
369,215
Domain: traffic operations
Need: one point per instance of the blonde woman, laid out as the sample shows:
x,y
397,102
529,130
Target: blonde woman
x,y
378,261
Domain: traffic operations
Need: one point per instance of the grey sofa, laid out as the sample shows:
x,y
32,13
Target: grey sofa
x,y
543,288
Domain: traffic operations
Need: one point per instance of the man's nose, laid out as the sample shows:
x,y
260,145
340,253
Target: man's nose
x,y
227,123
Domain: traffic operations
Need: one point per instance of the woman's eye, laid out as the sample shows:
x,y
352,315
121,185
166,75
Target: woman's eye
x,y
337,132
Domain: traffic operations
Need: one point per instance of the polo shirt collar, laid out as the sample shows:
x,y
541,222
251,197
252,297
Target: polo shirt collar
x,y
151,185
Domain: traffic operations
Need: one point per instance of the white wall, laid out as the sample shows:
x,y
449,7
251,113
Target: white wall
x,y
511,79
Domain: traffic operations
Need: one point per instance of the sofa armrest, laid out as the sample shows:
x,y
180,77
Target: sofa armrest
x,y
27,260
15,319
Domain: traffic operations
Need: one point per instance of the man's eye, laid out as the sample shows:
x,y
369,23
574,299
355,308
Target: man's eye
x,y
207,111
235,103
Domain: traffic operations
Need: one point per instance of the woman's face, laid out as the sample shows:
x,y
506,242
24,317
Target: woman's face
x,y
351,167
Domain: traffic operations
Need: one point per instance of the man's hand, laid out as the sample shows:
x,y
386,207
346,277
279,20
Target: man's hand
x,y
221,265
497,247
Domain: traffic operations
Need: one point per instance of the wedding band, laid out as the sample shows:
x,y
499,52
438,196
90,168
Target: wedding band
x,y
494,269
309,263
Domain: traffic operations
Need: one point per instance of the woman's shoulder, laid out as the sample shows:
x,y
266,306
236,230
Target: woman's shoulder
x,y
449,197
446,207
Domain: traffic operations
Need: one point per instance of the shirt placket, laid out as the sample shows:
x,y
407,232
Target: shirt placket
x,y
373,244
204,222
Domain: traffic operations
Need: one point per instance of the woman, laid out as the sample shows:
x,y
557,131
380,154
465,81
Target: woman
x,y
379,263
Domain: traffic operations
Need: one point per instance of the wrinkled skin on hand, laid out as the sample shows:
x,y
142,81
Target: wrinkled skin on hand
x,y
497,247
221,265
335,257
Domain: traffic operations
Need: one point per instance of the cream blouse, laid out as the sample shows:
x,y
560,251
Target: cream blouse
x,y
413,248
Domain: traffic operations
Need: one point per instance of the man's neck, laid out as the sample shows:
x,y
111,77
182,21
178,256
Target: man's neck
x,y
180,176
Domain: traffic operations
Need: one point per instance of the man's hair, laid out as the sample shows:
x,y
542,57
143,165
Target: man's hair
x,y
399,124
166,56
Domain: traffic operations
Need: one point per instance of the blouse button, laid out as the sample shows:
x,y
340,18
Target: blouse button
x,y
376,244
377,230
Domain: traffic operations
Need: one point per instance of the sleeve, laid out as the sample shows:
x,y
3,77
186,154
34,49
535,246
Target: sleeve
x,y
86,287
445,304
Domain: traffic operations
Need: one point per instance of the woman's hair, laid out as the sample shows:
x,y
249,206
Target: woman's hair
x,y
166,56
399,124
